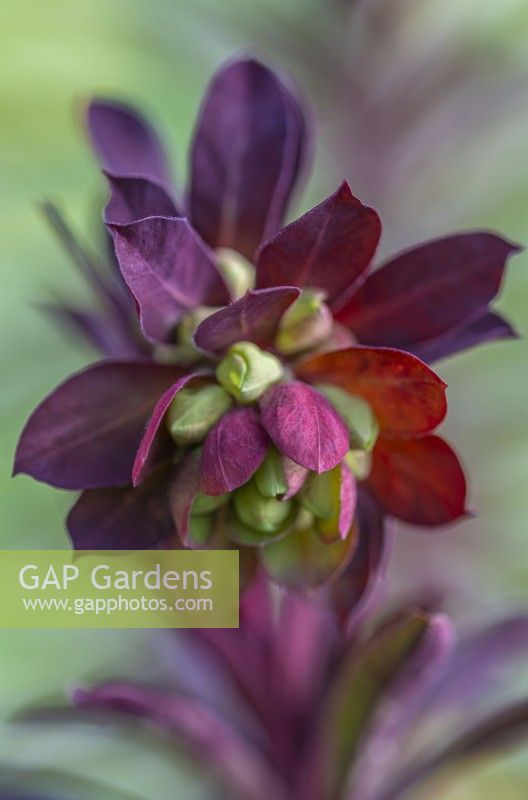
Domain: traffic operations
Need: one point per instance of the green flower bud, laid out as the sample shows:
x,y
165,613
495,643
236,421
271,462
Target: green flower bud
x,y
306,323
189,323
269,477
355,413
237,271
194,411
320,493
242,534
200,528
360,463
264,514
247,371
205,503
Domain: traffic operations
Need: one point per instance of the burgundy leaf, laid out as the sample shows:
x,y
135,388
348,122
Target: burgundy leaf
x,y
86,433
153,441
125,143
329,248
132,199
488,327
208,736
185,485
168,270
304,426
407,397
428,290
418,480
233,450
125,518
354,592
255,318
246,153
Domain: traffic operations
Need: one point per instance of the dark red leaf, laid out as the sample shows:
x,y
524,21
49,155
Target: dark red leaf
x,y
419,481
86,433
329,248
123,519
428,290
255,318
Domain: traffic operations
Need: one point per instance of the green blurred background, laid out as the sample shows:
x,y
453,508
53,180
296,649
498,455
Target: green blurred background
x,y
423,106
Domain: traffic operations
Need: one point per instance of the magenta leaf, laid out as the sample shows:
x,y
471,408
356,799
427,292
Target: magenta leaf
x,y
255,318
132,199
168,270
329,248
86,433
125,143
233,450
304,426
247,149
428,290
294,475
154,438
123,518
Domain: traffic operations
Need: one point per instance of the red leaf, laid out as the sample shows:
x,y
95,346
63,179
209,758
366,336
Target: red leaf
x,y
419,481
407,397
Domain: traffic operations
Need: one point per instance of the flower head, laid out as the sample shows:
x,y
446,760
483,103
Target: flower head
x,y
298,403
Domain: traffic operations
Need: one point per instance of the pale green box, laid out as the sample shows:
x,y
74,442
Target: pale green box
x,y
119,589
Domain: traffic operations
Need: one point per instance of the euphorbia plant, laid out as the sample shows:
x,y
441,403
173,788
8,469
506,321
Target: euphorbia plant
x,y
314,714
269,398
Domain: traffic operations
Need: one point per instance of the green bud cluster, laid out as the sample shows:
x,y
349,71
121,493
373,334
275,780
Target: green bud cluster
x,y
246,372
